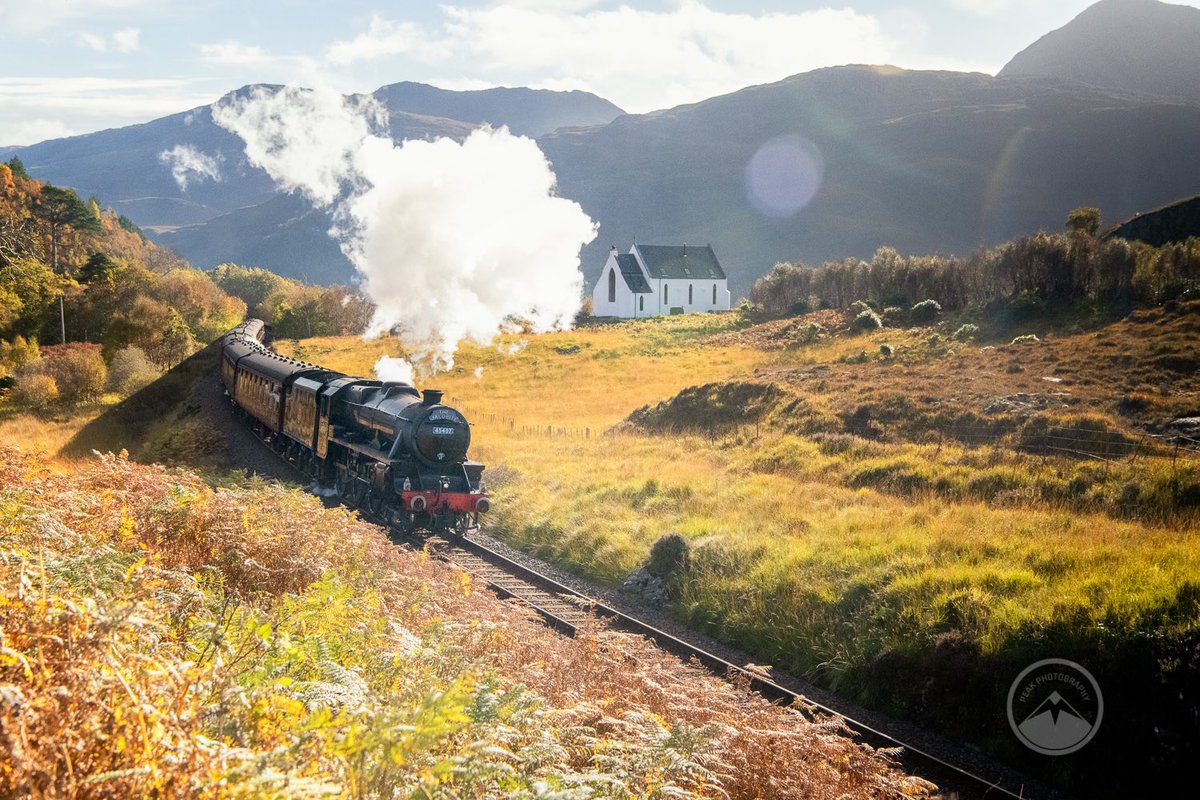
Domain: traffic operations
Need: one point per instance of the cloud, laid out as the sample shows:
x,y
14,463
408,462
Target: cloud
x,y
126,40
187,163
20,18
452,240
81,104
232,52
384,38
640,59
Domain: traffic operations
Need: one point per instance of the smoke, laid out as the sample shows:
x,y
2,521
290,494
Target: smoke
x,y
391,369
187,163
453,241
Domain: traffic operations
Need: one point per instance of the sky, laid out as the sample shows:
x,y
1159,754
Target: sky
x,y
76,66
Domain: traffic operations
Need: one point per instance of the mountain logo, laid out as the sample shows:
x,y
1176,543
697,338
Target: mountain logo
x,y
1055,707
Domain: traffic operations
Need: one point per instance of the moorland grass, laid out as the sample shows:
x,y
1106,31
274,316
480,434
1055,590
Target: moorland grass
x,y
919,577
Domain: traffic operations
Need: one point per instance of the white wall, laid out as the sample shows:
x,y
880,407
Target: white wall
x,y
702,295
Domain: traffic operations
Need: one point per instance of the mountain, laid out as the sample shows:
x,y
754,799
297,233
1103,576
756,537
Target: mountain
x,y
124,166
1136,45
1174,223
526,112
920,161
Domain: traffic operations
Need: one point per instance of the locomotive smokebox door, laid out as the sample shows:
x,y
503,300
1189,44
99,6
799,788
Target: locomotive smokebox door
x,y
379,478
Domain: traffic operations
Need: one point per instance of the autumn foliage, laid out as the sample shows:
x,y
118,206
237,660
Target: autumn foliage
x,y
164,638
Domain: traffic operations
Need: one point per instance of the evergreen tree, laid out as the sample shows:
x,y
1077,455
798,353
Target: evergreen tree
x,y
18,167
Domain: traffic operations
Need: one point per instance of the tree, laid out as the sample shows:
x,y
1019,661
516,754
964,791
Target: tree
x,y
18,167
99,267
1085,219
59,209
62,209
177,342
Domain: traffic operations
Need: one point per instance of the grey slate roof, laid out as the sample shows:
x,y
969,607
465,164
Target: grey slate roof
x,y
632,274
670,261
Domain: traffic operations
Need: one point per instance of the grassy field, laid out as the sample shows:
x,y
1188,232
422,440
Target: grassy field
x,y
163,637
917,573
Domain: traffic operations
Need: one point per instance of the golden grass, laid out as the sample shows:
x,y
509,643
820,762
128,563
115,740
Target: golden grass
x,y
162,638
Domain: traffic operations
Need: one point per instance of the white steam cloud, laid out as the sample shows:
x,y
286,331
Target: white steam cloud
x,y
187,164
392,369
454,241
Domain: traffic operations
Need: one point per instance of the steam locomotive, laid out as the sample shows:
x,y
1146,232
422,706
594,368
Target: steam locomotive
x,y
397,453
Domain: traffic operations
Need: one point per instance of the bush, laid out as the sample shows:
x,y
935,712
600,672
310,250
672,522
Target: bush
x,y
800,308
894,317
965,333
20,352
78,370
859,306
886,350
669,555
1028,338
925,312
36,390
866,321
130,370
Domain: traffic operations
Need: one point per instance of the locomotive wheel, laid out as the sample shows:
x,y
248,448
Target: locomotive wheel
x,y
342,485
374,503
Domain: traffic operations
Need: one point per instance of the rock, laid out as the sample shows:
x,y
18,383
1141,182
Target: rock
x,y
1187,427
650,588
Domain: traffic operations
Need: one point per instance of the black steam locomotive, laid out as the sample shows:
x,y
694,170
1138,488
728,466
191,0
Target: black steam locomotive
x,y
387,448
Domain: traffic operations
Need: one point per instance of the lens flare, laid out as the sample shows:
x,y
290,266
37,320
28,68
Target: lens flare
x,y
784,175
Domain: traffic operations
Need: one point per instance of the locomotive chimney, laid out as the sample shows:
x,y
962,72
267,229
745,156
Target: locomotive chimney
x,y
432,397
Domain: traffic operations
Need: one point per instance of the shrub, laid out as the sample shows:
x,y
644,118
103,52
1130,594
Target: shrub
x,y
668,555
35,389
809,332
894,316
866,321
78,370
800,307
965,333
130,370
925,312
859,306
1028,338
886,350
19,353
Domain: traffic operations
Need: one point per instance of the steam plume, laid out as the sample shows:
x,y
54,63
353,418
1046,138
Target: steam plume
x,y
453,241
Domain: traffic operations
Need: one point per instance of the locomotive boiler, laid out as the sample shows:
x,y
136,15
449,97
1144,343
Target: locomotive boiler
x,y
398,453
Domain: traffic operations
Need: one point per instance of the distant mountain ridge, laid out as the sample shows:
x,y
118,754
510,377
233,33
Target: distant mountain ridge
x,y
921,161
1137,45
123,165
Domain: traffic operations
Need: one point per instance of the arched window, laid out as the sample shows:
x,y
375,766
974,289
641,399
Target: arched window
x,y
612,286
664,293
689,294
714,294
641,302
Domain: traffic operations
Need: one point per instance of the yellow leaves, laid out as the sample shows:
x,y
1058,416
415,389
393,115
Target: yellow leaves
x,y
465,582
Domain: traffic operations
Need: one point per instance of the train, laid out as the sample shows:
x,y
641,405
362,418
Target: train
x,y
385,447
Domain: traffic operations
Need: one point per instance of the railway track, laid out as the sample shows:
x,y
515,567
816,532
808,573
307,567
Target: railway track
x,y
567,610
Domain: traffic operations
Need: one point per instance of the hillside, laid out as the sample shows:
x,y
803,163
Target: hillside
x,y
920,161
124,165
183,637
1173,223
910,540
1135,45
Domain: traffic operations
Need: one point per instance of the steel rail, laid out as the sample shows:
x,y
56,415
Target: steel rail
x,y
546,596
